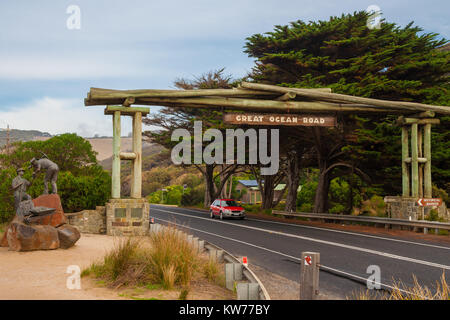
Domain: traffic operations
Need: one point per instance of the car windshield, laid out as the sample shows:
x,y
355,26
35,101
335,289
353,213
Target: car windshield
x,y
229,203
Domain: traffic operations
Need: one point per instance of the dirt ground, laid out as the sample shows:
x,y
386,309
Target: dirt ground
x,y
42,275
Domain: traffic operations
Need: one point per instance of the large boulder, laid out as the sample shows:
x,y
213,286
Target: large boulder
x,y
67,235
23,237
51,201
43,231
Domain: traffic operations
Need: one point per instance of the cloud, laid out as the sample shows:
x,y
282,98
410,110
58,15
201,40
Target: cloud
x,y
58,116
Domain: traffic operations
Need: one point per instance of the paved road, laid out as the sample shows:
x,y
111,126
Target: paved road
x,y
277,247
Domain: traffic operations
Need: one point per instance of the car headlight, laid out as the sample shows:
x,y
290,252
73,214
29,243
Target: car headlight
x,y
227,211
243,211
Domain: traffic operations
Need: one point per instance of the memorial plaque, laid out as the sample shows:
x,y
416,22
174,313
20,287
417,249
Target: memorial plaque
x,y
136,213
280,119
120,213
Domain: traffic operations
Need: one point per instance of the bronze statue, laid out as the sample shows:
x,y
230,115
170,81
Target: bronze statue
x,y
19,185
51,173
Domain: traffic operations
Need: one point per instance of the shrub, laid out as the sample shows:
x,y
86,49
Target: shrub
x,y
417,292
164,259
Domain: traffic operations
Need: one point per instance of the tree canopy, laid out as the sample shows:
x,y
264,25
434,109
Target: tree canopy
x,y
391,63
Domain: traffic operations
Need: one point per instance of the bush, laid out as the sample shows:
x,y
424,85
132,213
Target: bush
x,y
82,184
164,258
194,196
84,192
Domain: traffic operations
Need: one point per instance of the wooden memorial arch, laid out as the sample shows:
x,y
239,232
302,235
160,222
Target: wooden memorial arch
x,y
415,119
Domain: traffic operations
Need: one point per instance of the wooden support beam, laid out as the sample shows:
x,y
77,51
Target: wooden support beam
x,y
405,169
263,105
126,111
427,167
136,168
287,96
414,161
419,160
421,121
425,114
129,101
413,106
115,175
127,156
420,155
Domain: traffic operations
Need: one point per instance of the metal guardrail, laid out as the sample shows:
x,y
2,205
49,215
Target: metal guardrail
x,y
387,222
248,274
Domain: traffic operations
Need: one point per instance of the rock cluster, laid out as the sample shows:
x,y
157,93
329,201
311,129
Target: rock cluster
x,y
40,232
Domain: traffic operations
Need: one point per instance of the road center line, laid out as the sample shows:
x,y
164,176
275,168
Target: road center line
x,y
336,244
340,231
279,253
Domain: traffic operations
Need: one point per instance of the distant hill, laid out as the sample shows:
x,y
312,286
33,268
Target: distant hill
x,y
22,135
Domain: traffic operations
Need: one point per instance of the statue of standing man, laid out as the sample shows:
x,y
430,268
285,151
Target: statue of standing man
x,y
50,175
19,185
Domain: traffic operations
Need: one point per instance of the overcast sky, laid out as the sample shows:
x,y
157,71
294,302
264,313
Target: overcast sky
x,y
46,69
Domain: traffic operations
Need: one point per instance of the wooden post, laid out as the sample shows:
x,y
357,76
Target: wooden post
x,y
405,154
420,155
115,186
427,155
414,161
309,276
136,175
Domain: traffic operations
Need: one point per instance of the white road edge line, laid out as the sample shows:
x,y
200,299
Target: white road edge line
x,y
340,231
336,244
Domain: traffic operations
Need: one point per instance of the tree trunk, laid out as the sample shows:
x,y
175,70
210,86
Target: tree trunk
x,y
267,192
210,192
293,181
321,197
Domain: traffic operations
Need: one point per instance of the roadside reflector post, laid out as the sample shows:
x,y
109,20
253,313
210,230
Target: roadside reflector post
x,y
309,276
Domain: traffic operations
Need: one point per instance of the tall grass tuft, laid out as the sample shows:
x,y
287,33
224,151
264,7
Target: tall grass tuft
x,y
170,249
164,258
402,292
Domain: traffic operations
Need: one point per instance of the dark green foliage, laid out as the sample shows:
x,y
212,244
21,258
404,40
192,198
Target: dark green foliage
x,y
82,184
192,197
391,63
387,63
84,192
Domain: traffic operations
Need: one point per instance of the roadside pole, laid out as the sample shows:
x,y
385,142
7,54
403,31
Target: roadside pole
x,y
309,276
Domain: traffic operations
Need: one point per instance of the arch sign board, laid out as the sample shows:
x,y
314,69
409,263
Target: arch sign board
x,y
279,119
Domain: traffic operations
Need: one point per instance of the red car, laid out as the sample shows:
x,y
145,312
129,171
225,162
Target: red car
x,y
226,208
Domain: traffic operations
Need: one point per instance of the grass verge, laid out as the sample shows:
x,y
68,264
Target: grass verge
x,y
402,292
163,260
